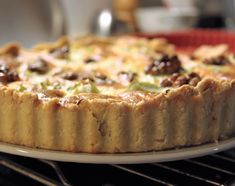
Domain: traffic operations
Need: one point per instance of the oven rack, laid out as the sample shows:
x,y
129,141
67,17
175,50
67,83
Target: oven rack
x,y
217,169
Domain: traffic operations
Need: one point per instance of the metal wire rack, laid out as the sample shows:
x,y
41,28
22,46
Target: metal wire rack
x,y
217,169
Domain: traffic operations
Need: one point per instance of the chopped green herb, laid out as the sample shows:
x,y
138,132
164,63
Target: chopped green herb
x,y
83,88
89,88
73,87
144,86
21,88
57,86
45,84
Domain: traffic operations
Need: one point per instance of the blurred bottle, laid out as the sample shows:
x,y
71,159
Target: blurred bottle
x,y
211,14
124,10
229,14
80,14
173,15
179,4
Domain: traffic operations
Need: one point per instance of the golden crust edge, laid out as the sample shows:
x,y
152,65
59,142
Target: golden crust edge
x,y
125,127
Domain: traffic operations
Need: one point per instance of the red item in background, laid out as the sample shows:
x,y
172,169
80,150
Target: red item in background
x,y
191,39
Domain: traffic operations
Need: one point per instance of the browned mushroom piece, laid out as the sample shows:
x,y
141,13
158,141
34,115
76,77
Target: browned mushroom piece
x,y
70,76
221,60
177,80
92,59
174,76
85,76
165,65
61,52
3,78
194,81
8,75
12,76
12,50
4,68
181,80
89,60
102,79
52,93
40,66
167,83
127,76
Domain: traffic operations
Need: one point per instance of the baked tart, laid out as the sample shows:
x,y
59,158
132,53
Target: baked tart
x,y
112,95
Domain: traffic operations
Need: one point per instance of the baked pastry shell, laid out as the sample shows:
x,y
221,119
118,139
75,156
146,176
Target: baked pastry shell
x,y
130,122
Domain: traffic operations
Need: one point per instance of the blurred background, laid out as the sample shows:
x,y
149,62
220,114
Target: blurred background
x,y
30,21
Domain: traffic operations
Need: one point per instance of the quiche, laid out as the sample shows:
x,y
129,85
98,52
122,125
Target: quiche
x,y
115,95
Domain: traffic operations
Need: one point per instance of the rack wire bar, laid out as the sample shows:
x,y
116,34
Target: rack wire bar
x,y
214,170
142,175
28,172
58,171
223,157
186,174
211,167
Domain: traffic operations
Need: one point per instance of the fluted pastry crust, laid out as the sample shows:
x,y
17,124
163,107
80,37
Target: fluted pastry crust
x,y
130,121
184,117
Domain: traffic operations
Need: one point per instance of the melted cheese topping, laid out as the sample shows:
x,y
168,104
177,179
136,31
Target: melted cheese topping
x,y
98,63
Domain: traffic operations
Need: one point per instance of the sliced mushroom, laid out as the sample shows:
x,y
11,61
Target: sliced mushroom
x,y
4,68
61,52
52,93
7,75
126,77
3,78
70,76
222,60
12,76
12,50
177,80
102,79
40,66
165,65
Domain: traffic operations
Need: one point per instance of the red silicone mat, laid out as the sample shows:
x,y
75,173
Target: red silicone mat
x,y
193,38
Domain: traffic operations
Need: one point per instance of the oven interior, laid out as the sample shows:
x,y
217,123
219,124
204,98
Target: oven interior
x,y
215,169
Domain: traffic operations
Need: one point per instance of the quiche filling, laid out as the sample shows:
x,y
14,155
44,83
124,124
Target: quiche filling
x,y
110,66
